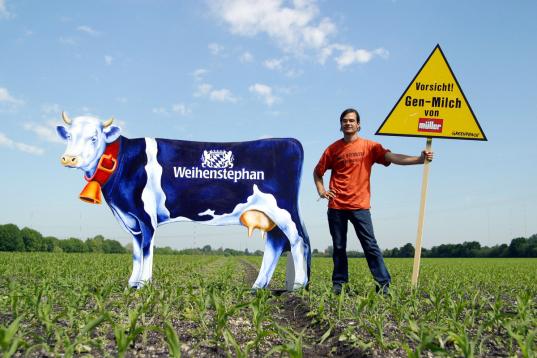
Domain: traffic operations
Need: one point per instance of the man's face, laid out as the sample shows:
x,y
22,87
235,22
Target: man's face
x,y
349,124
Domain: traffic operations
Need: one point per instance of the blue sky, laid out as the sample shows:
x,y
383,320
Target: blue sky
x,y
234,70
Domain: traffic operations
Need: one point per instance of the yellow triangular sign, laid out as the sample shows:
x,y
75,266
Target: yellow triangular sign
x,y
433,105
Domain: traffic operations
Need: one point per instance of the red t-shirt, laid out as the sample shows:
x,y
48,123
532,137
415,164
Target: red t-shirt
x,y
351,164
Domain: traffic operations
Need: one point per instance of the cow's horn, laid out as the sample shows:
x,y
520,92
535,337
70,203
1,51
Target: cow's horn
x,y
108,122
66,119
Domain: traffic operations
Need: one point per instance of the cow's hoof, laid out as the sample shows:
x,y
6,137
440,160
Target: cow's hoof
x,y
299,286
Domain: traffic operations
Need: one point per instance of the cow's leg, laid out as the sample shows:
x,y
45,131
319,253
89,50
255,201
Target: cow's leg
x,y
273,249
300,249
147,253
131,224
137,261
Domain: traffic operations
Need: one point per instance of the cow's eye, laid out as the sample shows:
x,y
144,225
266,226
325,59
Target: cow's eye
x,y
68,137
93,139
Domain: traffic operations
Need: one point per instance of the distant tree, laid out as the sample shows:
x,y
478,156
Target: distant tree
x,y
329,251
33,240
207,248
532,246
11,238
499,251
72,245
406,251
51,244
113,247
258,253
164,251
95,244
518,247
391,253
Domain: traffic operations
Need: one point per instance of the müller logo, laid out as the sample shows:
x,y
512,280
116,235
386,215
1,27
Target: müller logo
x,y
220,163
430,125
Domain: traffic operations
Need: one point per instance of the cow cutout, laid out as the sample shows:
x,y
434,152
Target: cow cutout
x,y
148,182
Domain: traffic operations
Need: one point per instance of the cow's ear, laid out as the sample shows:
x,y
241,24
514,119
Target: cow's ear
x,y
111,133
62,132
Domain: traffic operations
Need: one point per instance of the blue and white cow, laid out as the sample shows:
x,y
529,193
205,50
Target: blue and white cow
x,y
158,181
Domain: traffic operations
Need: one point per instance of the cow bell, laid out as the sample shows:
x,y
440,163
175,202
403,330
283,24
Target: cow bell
x,y
91,193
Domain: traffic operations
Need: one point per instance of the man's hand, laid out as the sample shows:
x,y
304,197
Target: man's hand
x,y
327,194
425,155
402,159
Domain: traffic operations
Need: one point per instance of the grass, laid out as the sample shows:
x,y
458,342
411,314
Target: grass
x,y
76,304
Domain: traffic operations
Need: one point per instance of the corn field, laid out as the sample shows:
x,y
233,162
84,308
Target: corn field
x,y
54,304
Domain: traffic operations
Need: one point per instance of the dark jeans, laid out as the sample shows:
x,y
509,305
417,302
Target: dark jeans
x,y
361,220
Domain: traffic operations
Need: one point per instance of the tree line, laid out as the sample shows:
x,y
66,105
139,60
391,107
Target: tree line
x,y
14,239
206,250
519,247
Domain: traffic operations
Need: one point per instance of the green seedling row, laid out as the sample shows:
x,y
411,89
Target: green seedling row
x,y
56,304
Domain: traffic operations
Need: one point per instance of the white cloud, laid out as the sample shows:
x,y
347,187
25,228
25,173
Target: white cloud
x,y
348,55
217,95
3,10
296,27
122,99
181,109
203,89
274,63
5,97
280,65
199,74
5,141
88,30
246,57
108,59
222,95
265,92
215,49
46,132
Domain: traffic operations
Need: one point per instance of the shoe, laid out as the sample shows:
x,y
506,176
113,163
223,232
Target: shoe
x,y
384,290
336,288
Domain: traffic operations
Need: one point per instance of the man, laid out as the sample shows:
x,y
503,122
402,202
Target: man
x,y
350,159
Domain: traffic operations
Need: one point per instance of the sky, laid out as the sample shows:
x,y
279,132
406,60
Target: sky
x,y
236,70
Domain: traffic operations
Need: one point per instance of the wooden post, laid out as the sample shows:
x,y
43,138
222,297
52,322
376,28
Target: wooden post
x,y
417,253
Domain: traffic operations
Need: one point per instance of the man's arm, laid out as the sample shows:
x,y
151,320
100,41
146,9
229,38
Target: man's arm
x,y
402,159
323,193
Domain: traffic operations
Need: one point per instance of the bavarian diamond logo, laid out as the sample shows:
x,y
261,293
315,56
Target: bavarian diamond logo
x,y
217,159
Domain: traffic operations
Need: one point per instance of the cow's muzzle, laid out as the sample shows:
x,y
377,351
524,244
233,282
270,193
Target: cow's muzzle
x,y
69,161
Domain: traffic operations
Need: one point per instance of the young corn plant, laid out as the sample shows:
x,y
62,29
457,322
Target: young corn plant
x,y
294,345
260,314
172,340
9,341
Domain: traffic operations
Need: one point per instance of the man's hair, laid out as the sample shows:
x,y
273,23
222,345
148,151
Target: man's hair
x,y
347,111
